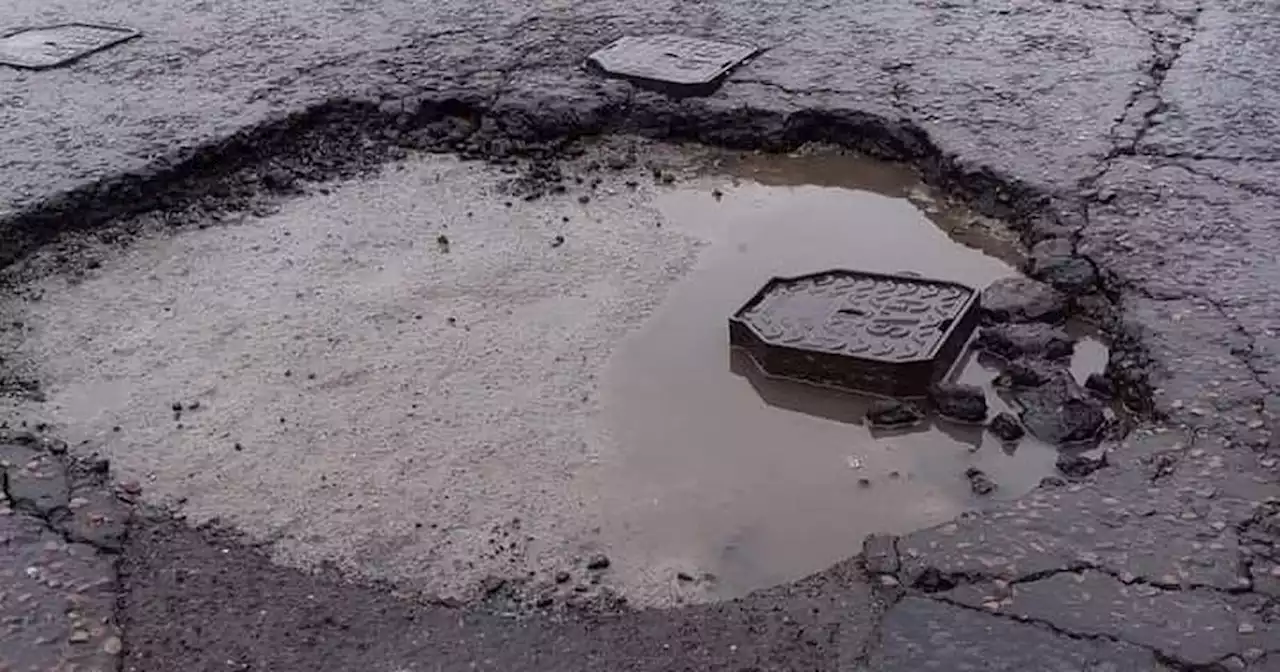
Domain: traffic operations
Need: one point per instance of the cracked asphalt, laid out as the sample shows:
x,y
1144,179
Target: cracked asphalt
x,y
1132,142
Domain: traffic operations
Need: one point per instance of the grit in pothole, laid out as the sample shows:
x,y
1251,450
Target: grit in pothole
x,y
426,379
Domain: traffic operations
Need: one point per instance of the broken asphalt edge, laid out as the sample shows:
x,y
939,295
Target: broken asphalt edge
x,y
341,137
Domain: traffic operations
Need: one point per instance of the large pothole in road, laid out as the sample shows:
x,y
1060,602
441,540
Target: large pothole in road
x,y
759,480
428,379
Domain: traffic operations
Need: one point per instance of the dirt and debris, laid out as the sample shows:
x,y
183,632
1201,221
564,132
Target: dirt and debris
x,y
889,414
1055,262
1025,372
979,481
1032,340
1023,300
1100,384
1061,412
1078,464
1005,426
954,401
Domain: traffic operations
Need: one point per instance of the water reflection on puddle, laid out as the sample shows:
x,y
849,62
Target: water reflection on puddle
x,y
759,481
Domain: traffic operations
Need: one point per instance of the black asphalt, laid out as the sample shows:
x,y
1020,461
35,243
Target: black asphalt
x,y
1135,143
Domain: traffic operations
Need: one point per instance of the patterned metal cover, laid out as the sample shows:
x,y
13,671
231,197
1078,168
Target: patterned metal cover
x,y
52,46
869,316
672,59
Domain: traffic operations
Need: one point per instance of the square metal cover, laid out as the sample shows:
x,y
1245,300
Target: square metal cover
x,y
52,46
675,60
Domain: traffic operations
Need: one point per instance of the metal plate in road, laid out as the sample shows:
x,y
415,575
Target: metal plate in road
x,y
51,46
670,59
881,317
873,332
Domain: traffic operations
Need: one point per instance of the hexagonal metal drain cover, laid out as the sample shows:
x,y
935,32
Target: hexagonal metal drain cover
x,y
672,63
889,335
52,46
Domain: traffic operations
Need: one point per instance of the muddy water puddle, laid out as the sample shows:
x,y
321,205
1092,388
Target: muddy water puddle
x,y
729,481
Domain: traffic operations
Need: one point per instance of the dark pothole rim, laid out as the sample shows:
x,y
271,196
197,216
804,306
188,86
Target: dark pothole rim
x,y
346,137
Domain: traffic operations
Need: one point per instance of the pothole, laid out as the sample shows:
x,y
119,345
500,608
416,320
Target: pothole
x,y
735,481
426,378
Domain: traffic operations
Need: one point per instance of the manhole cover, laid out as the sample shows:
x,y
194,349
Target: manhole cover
x,y
884,334
673,63
52,46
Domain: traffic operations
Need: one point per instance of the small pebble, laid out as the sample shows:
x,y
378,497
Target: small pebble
x,y
1006,427
598,562
979,482
78,636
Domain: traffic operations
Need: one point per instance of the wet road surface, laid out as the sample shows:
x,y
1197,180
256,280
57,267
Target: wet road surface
x,y
1133,144
761,481
572,392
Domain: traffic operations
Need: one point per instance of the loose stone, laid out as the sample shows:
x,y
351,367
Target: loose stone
x,y
959,402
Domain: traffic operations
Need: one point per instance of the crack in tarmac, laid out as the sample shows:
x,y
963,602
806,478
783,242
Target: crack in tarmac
x,y
1245,359
85,501
947,581
1157,71
1163,657
1254,189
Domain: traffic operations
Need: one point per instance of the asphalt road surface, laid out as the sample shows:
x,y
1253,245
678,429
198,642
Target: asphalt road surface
x,y
1132,144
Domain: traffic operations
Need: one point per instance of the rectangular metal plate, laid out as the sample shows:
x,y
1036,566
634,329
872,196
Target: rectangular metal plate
x,y
877,333
670,59
52,46
870,316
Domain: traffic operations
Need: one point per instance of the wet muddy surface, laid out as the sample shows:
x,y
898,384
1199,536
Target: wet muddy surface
x,y
426,378
741,481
